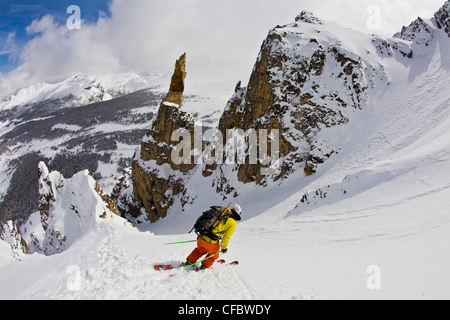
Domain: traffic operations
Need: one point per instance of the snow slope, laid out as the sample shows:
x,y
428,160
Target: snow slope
x,y
378,210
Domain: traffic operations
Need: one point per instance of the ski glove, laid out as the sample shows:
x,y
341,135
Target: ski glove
x,y
224,251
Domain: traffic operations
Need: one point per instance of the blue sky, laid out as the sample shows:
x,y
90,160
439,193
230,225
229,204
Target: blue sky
x,y
16,15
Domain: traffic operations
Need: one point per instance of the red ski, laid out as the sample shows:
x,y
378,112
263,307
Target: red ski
x,y
166,267
160,267
234,263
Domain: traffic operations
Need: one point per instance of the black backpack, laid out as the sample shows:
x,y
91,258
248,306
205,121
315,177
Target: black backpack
x,y
209,220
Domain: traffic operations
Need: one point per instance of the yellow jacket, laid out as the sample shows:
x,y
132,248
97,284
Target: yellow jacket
x,y
225,229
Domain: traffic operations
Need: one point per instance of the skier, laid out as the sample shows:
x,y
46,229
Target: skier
x,y
205,245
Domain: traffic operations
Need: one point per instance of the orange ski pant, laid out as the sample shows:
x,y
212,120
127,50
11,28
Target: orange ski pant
x,y
204,247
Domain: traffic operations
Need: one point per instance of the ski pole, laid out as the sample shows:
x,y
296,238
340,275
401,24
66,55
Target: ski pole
x,y
202,260
180,242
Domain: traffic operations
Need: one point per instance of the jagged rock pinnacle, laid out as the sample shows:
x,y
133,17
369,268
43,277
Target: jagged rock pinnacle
x,y
442,17
176,90
308,17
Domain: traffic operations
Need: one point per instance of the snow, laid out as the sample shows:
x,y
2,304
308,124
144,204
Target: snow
x,y
114,127
67,127
81,89
380,204
170,104
75,207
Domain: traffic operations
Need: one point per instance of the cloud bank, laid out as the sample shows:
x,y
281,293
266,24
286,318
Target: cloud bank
x,y
222,37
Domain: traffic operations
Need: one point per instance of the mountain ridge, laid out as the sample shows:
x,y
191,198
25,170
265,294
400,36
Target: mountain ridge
x,y
79,90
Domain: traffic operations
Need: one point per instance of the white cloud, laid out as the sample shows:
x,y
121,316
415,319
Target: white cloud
x,y
222,37
40,26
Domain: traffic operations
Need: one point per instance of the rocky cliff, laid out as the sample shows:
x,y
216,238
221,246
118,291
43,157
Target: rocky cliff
x,y
11,235
305,79
156,178
175,94
442,18
422,31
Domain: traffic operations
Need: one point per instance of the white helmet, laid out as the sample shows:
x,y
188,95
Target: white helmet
x,y
237,208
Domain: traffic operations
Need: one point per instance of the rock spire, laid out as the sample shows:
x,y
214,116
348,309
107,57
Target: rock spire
x,y
176,90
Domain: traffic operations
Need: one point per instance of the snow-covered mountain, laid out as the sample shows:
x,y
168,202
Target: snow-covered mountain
x,y
79,90
101,137
69,208
366,221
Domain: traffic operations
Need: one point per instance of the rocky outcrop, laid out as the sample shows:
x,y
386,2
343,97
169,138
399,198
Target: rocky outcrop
x,y
156,177
422,31
419,32
157,145
154,191
176,90
291,89
442,18
68,209
11,235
